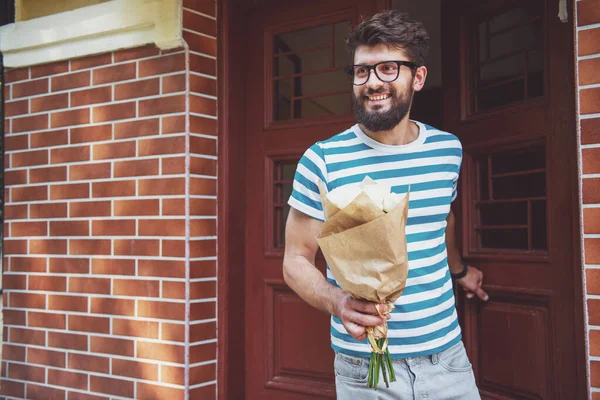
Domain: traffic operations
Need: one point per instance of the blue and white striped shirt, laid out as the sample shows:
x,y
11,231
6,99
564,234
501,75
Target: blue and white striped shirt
x,y
424,321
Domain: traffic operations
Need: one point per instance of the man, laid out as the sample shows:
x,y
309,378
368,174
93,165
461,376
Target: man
x,y
430,361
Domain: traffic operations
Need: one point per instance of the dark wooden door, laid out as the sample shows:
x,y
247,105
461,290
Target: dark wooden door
x,y
296,94
509,95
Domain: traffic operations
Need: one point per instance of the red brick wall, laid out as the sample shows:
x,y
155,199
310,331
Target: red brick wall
x,y
588,49
110,232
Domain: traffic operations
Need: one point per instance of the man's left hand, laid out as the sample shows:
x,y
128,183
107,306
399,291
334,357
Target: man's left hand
x,y
472,282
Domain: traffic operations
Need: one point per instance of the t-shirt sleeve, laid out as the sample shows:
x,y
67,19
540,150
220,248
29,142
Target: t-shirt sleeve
x,y
305,193
455,181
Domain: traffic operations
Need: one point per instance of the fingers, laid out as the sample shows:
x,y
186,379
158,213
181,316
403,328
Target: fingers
x,y
482,294
356,331
365,307
362,319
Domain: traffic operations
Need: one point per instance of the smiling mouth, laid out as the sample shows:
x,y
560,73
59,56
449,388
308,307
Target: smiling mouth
x,y
379,97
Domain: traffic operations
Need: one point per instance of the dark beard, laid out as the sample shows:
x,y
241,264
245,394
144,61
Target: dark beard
x,y
378,121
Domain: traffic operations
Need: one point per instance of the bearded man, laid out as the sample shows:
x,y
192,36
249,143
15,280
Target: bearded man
x,y
429,358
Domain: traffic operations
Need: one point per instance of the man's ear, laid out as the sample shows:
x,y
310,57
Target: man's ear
x,y
419,78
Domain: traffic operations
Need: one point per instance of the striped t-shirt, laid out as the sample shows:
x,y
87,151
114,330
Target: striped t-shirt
x,y
424,321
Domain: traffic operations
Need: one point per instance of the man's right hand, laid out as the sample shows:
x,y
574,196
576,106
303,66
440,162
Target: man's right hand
x,y
357,315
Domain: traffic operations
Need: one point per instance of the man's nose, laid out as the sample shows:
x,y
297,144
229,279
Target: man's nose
x,y
373,81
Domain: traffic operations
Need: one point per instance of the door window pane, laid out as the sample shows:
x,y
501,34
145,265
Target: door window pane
x,y
283,178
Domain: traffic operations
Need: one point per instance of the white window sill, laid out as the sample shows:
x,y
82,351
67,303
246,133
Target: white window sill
x,y
100,28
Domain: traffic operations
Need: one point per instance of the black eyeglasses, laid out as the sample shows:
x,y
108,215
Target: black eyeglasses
x,y
386,71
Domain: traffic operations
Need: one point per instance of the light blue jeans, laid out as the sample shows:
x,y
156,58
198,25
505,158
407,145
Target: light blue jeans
x,y
447,375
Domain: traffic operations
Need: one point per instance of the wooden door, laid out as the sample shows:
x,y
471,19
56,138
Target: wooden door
x,y
296,94
509,96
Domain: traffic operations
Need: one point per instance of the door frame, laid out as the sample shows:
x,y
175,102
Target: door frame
x,y
231,89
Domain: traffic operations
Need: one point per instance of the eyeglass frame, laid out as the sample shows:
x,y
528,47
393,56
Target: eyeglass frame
x,y
373,67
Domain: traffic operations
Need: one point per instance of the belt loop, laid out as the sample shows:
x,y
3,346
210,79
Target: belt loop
x,y
435,359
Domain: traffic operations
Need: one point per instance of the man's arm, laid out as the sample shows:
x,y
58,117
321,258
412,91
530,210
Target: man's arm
x,y
301,274
474,279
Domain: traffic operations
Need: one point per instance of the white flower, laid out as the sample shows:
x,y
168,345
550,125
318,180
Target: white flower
x,y
380,193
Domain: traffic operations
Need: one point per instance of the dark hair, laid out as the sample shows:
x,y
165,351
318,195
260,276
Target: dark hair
x,y
392,28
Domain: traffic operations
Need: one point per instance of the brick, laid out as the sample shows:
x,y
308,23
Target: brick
x,y
203,166
203,186
172,332
12,108
205,126
204,146
136,287
28,229
89,363
588,71
70,154
173,248
27,264
162,65
114,112
174,375
70,191
17,142
13,389
589,99
91,133
204,289
26,373
203,352
173,124
50,210
140,88
588,42
121,347
136,168
169,145
32,123
136,328
84,396
90,209
69,228
156,392
68,303
89,171
15,246
203,65
594,372
70,265
114,73
155,187
18,177
200,23
594,342
591,220
30,88
173,290
114,150
160,352
206,7
113,189
46,320
28,336
136,207
70,81
49,69
161,268
144,127
89,324
590,189
161,310
135,53
51,174
201,84
201,44
135,369
104,305
203,248
112,227
16,282
13,212
162,105
48,283
28,158
173,207
204,392
14,75
68,379
70,117
47,246
49,138
46,357
117,387
173,165
13,353
163,227
92,61
89,285
68,341
173,83
113,266
52,102
136,247
588,12
201,373
14,317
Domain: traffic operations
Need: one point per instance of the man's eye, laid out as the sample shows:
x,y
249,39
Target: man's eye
x,y
361,71
388,68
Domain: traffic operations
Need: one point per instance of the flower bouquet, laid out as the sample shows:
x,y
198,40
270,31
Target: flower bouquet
x,y
363,240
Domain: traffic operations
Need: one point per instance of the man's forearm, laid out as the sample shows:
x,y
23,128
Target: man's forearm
x,y
308,282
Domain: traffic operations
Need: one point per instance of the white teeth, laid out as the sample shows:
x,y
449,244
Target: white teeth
x,y
382,97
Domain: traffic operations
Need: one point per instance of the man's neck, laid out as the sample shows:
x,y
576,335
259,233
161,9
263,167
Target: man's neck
x,y
404,133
